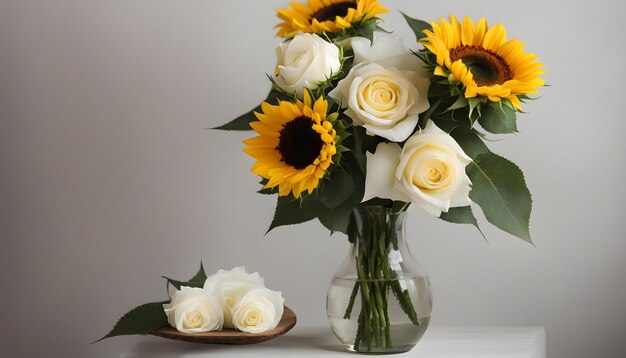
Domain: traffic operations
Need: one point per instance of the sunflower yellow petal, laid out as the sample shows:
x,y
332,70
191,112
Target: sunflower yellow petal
x,y
455,26
480,31
467,32
494,38
439,71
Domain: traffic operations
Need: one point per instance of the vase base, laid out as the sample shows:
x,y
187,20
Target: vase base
x,y
381,351
405,337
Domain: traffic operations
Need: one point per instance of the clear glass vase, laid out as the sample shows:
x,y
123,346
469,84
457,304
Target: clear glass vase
x,y
379,300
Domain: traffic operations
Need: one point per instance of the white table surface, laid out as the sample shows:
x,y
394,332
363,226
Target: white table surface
x,y
438,342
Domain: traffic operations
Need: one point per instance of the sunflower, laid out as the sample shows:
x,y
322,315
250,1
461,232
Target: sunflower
x,y
326,16
483,60
295,145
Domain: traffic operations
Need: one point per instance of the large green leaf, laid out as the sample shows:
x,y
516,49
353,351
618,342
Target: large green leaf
x,y
470,141
417,26
141,320
332,203
337,190
461,215
196,281
337,219
499,188
498,118
291,211
360,144
242,123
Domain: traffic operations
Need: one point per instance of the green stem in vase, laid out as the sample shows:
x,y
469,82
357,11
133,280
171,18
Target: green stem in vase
x,y
375,280
360,329
355,291
367,320
388,342
375,317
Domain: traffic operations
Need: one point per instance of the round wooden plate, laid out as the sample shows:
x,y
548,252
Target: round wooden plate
x,y
231,336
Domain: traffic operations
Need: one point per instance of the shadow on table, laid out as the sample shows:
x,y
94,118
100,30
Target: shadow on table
x,y
297,341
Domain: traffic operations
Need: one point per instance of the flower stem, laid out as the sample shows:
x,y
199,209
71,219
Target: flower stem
x,y
375,279
355,291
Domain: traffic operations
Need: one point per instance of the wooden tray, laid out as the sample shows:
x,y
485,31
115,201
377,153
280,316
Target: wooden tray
x,y
231,336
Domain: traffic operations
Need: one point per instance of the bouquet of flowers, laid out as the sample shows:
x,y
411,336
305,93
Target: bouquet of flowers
x,y
355,119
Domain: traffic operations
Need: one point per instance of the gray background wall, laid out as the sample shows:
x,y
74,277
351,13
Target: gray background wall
x,y
109,180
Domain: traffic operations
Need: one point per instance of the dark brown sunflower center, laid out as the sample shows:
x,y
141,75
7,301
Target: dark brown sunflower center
x,y
299,145
487,67
330,12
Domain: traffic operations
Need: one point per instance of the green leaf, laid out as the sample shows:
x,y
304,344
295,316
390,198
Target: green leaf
x,y
268,191
498,119
291,211
435,103
400,206
379,202
470,141
336,219
242,123
460,102
367,30
141,320
438,90
499,188
461,215
363,29
417,26
337,190
475,103
361,144
196,281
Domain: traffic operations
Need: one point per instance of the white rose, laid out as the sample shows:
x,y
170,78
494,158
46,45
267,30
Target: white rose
x,y
258,311
194,310
230,287
383,47
429,172
387,95
304,62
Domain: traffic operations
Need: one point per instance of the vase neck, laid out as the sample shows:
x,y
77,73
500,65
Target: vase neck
x,y
376,223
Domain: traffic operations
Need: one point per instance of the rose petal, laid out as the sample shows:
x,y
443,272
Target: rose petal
x,y
383,47
266,304
398,133
197,305
379,178
433,145
422,85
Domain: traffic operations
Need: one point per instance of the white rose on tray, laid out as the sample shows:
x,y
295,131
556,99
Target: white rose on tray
x,y
258,311
194,310
229,299
230,287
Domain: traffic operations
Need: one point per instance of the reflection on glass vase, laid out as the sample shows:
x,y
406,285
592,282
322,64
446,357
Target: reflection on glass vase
x,y
379,300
